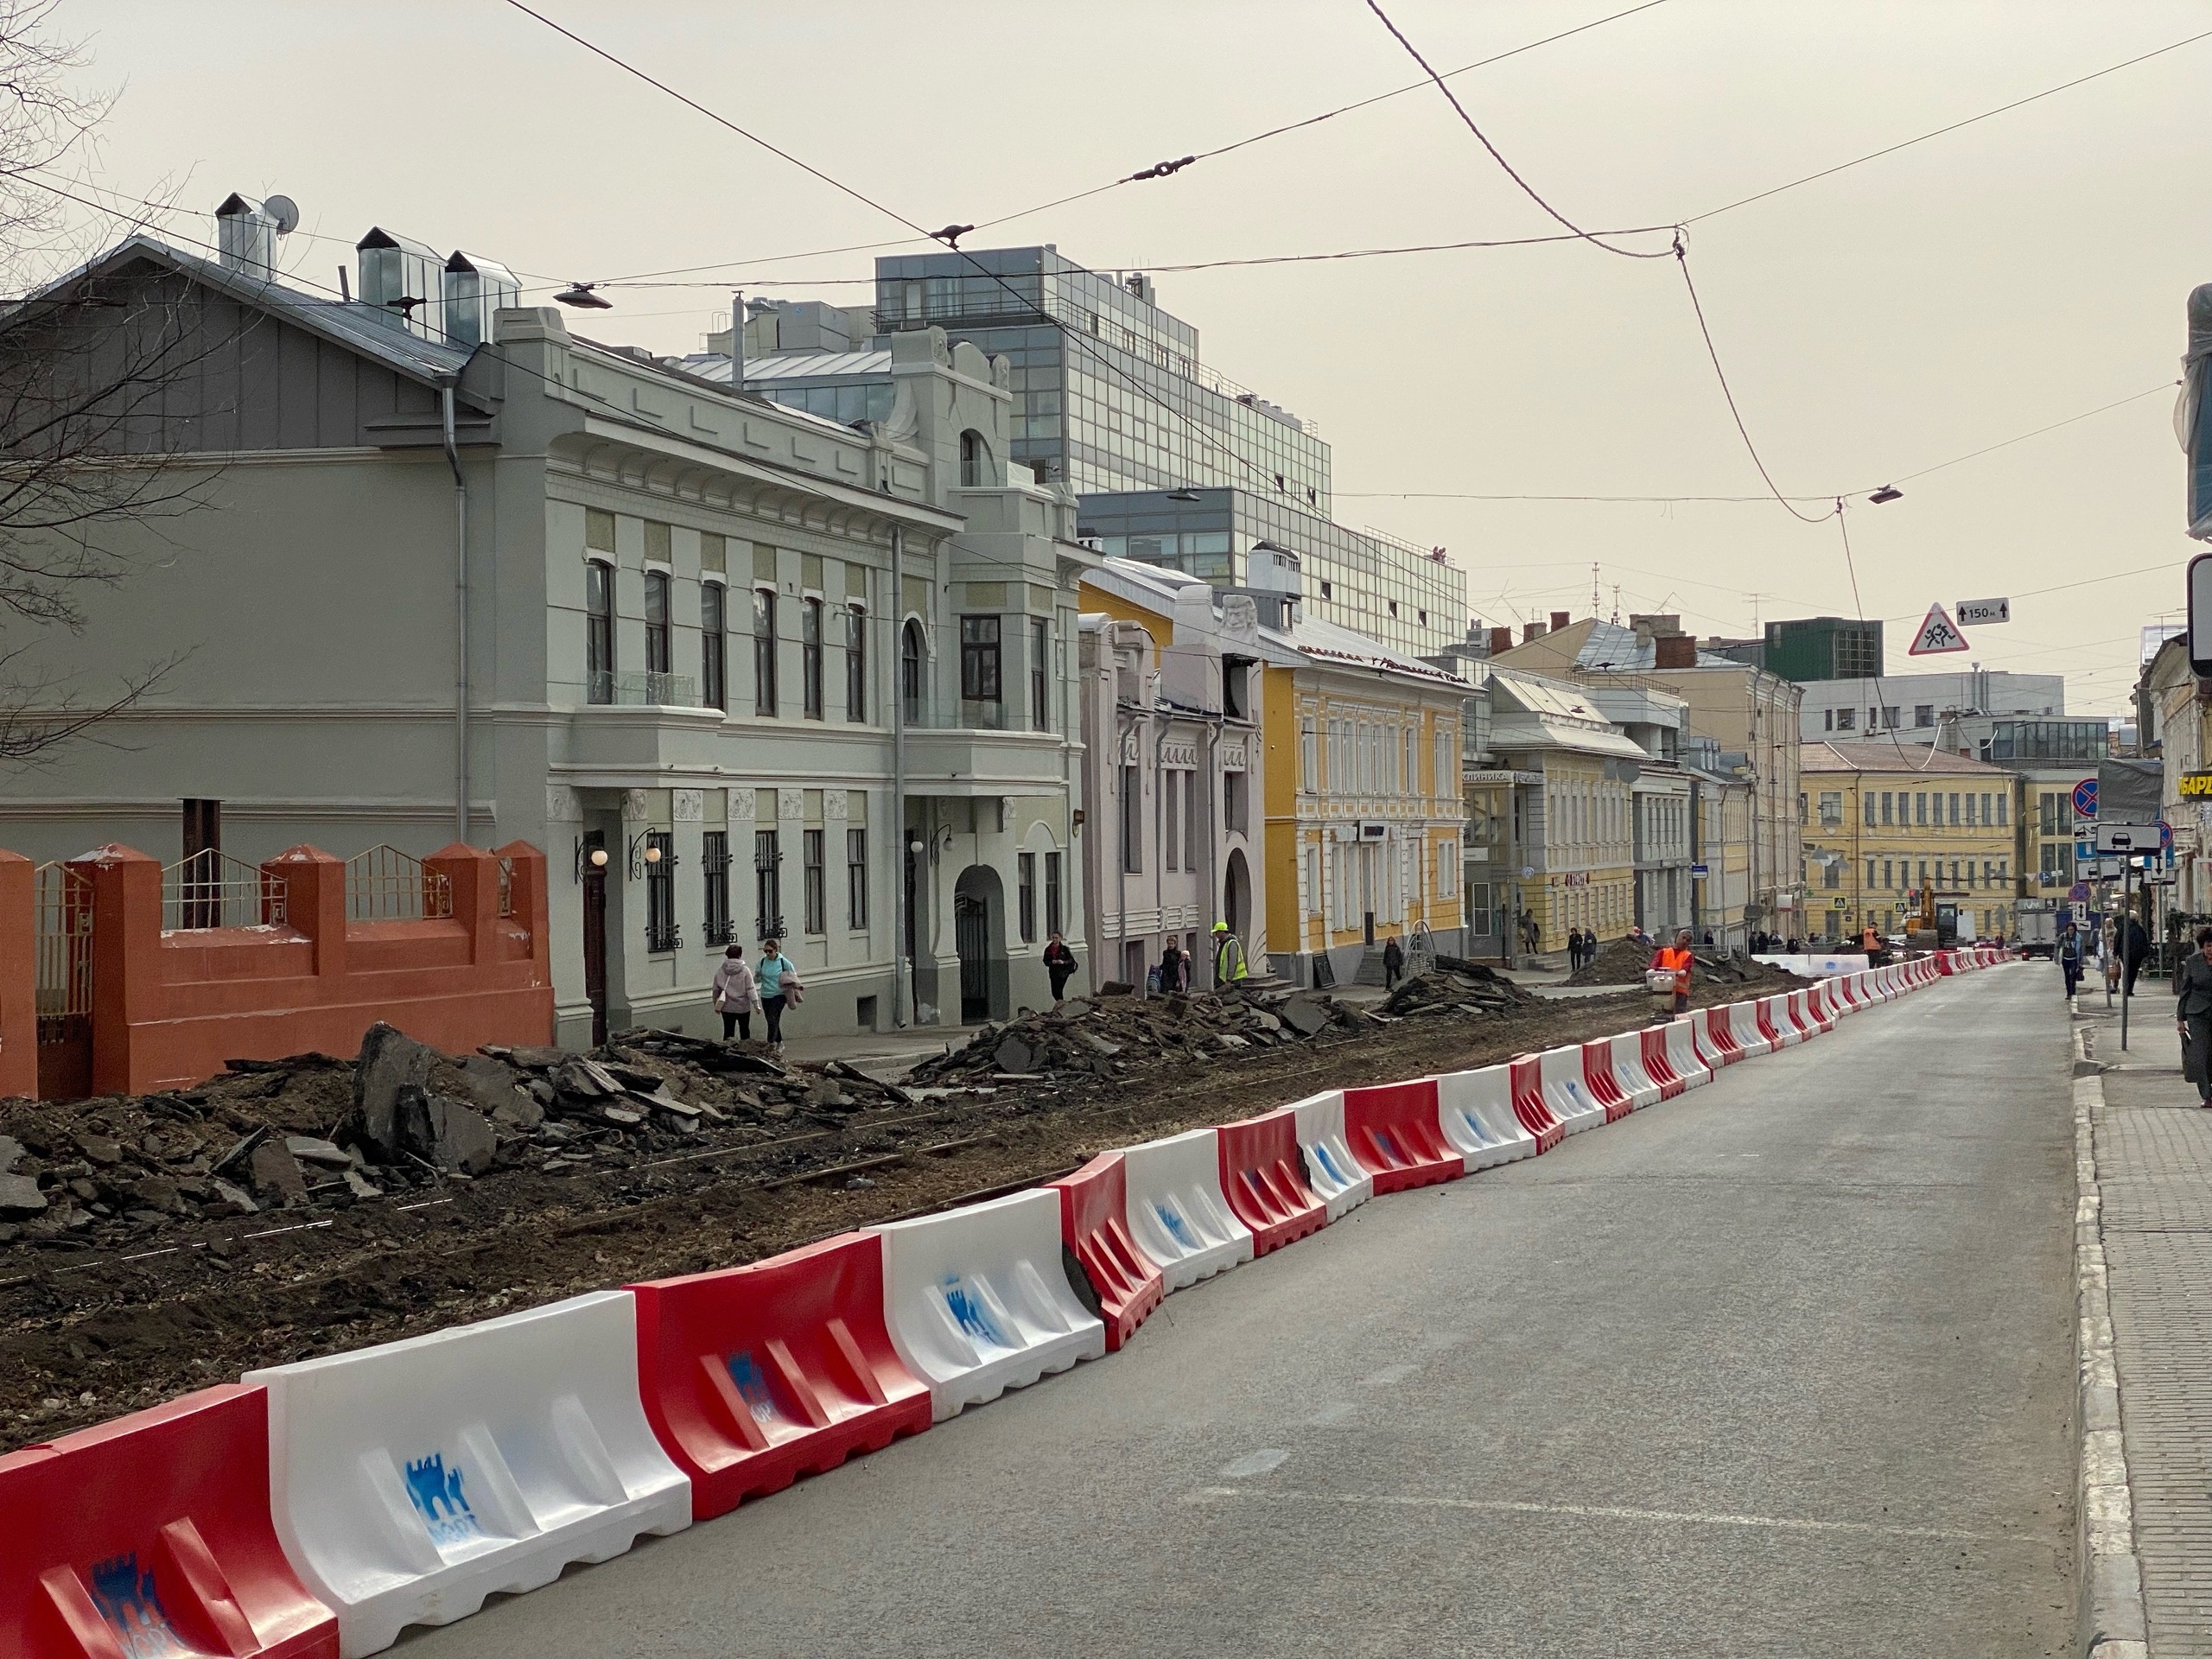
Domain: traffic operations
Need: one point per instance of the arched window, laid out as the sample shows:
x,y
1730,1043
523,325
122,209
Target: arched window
x,y
910,671
974,461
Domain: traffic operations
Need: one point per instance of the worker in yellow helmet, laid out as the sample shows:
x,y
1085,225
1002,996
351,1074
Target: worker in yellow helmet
x,y
1228,956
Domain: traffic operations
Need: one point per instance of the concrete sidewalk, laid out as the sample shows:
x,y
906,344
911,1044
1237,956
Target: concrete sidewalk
x,y
2149,1192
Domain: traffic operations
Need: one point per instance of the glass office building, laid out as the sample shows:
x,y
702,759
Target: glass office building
x,y
1109,394
1400,597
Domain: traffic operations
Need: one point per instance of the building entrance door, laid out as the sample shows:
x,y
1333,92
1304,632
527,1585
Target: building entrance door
x,y
971,938
594,885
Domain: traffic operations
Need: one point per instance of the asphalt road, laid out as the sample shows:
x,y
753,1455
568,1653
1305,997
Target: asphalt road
x,y
1779,1368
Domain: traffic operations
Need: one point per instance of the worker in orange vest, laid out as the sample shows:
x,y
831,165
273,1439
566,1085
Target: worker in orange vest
x,y
1676,959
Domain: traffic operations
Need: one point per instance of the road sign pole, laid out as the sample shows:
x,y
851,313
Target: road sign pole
x,y
2127,973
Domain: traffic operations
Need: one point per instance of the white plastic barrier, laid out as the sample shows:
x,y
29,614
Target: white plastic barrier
x,y
1629,1075
1338,1179
1566,1095
1743,1027
1681,1054
1810,1009
977,1301
409,1481
1816,967
1176,1210
1776,1011
1475,1109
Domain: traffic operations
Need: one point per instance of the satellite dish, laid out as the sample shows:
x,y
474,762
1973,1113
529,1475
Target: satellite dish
x,y
285,212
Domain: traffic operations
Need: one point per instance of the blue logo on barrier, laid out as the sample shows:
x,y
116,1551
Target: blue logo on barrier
x,y
1329,1163
1389,1146
436,1492
751,1386
1475,1127
127,1601
969,1310
1178,1228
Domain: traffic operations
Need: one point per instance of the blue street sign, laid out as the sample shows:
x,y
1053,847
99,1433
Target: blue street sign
x,y
1698,872
2085,798
2165,838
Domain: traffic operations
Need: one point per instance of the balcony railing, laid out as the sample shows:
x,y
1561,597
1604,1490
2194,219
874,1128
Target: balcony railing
x,y
644,689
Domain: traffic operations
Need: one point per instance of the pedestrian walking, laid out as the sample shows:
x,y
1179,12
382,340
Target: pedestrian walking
x,y
2070,958
736,996
1531,931
1676,959
2193,1016
1175,968
1228,956
777,977
2135,946
1059,966
1394,962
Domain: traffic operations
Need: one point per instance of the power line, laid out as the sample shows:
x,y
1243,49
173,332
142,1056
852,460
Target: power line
x,y
1527,190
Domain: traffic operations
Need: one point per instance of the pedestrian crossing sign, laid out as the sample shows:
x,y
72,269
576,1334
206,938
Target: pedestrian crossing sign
x,y
1938,635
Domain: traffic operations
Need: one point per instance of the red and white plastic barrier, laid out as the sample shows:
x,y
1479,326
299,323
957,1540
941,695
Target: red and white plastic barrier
x,y
1338,1179
1597,1080
1566,1095
1630,1075
1396,1132
150,1535
1683,1058
1177,1213
1475,1110
1745,1031
977,1300
1263,1178
1525,1075
1095,1229
409,1481
752,1376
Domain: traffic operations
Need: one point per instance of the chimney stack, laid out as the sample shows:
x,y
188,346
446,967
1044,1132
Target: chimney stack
x,y
1531,630
1502,639
1560,619
1675,651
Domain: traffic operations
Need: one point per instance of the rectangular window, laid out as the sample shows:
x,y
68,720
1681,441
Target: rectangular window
x,y
1970,803
2001,799
810,657
1190,820
812,853
763,650
1831,806
1040,678
767,885
1870,874
1920,807
1866,800
1051,893
857,880
661,934
1026,895
1132,819
1828,720
1171,802
979,659
1923,715
1234,795
1885,806
1889,876
1309,759
1846,720
713,645
713,854
599,632
856,664
1954,808
656,627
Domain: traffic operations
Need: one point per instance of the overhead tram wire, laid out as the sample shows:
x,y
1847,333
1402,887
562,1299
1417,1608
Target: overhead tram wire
x,y
944,238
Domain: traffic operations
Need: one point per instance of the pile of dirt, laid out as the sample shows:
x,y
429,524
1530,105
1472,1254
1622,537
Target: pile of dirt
x,y
315,1133
1116,1036
1623,962
1456,987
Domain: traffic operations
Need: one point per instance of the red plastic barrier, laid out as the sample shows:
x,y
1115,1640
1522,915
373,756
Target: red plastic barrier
x,y
1263,1178
1094,1224
1527,1083
150,1535
1713,1023
1656,1062
1764,1017
752,1376
1395,1130
1598,1075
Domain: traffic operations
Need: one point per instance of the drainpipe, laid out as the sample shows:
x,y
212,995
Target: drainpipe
x,y
900,924
460,618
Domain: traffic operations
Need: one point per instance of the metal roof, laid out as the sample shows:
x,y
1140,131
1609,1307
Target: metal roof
x,y
792,366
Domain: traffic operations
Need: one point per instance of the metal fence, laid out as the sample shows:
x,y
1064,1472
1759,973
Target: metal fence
x,y
506,887
386,884
640,688
212,889
65,944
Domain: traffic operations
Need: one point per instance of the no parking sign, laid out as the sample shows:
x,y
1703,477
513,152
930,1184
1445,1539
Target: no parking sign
x,y
2085,798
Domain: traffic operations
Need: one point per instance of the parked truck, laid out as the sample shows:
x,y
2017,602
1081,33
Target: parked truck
x,y
2038,922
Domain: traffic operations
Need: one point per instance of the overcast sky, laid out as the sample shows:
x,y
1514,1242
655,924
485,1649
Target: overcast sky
x,y
2014,273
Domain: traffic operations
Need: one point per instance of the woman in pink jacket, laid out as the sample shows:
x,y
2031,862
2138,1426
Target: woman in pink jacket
x,y
735,995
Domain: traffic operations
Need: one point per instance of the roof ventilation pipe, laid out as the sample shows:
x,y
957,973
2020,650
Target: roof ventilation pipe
x,y
246,232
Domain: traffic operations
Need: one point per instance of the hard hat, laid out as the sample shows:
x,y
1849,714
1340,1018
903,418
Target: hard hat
x,y
1221,927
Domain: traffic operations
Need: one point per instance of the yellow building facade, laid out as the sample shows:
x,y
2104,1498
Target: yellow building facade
x,y
1364,818
1882,823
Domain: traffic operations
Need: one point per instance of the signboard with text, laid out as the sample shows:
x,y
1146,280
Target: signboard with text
x,y
1969,613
